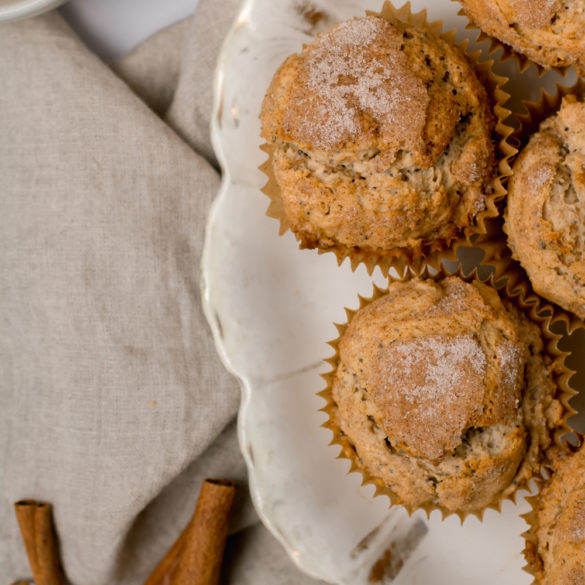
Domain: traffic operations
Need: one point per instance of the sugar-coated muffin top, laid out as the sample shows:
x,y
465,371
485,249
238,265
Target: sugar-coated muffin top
x,y
546,208
444,394
556,547
549,32
353,72
381,137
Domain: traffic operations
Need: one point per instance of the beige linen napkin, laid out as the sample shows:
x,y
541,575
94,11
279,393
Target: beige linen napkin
x,y
113,404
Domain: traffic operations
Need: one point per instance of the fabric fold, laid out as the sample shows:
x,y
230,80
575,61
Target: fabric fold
x,y
152,69
111,386
209,26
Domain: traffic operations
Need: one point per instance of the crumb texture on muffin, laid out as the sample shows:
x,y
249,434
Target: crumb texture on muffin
x,y
546,208
381,137
548,32
444,394
556,549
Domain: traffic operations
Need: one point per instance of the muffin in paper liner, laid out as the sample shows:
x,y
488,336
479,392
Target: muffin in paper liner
x,y
555,539
514,291
539,219
523,62
432,252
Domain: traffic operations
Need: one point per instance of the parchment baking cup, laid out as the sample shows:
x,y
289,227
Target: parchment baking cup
x,y
529,123
508,53
432,254
530,552
547,105
511,286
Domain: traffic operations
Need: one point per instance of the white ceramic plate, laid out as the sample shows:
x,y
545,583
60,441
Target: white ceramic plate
x,y
272,309
18,9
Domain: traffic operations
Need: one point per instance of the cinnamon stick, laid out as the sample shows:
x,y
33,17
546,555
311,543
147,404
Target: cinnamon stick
x,y
204,546
38,534
196,556
165,571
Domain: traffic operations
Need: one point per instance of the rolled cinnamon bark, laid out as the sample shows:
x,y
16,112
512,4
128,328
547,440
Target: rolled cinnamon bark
x,y
38,534
165,571
204,546
196,556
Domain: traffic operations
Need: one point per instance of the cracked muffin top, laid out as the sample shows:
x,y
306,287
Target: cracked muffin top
x,y
445,395
548,32
555,547
545,218
381,139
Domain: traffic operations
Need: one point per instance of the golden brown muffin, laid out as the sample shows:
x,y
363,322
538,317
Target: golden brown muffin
x,y
548,32
555,546
444,395
381,139
545,219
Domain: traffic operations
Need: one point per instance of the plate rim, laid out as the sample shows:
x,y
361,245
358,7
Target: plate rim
x,y
205,286
26,8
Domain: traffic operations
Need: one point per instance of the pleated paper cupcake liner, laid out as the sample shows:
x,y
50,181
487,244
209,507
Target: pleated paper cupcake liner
x,y
533,549
529,123
433,253
547,105
513,289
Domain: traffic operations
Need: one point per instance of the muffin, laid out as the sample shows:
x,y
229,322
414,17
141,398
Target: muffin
x,y
548,32
380,140
555,546
441,395
545,218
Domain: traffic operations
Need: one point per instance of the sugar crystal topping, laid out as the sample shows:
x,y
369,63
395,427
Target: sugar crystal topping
x,y
357,69
578,529
428,390
511,361
542,175
533,13
453,301
440,377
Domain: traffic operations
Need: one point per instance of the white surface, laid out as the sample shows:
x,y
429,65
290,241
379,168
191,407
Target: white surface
x,y
20,9
272,309
113,27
